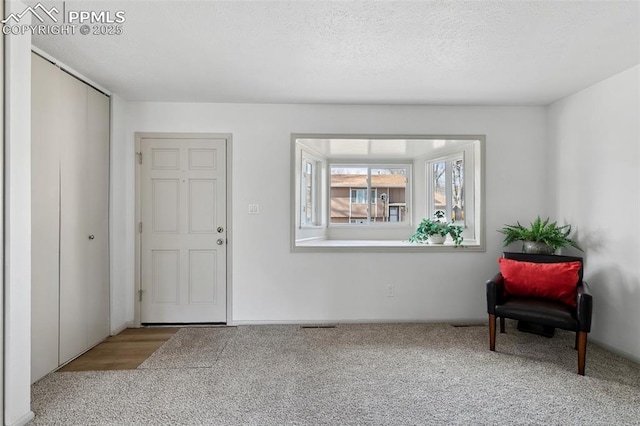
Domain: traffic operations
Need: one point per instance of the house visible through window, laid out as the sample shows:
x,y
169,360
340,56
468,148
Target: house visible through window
x,y
367,194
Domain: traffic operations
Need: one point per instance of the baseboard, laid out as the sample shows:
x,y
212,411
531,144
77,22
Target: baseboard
x,y
454,321
121,328
617,351
23,420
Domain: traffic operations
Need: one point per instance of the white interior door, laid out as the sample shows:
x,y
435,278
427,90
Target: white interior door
x,y
183,239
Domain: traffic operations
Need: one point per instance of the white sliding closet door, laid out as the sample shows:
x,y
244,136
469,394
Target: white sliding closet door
x,y
84,195
74,228
70,218
45,216
97,199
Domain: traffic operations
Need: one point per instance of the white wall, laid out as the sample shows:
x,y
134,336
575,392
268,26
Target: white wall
x,y
17,248
271,284
596,138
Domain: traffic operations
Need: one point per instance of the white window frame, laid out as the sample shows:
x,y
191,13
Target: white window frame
x,y
307,158
431,184
472,231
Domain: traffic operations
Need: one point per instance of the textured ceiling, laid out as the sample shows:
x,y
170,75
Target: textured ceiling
x,y
381,52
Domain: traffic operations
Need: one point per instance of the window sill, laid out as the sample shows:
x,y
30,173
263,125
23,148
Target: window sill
x,y
320,245
373,225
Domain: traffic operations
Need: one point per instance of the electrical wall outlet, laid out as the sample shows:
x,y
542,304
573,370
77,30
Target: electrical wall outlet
x,y
390,290
254,208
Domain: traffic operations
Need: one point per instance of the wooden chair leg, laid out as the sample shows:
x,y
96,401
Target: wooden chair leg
x,y
502,325
582,351
492,332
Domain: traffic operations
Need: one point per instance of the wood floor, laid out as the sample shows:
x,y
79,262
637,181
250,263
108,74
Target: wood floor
x,y
125,351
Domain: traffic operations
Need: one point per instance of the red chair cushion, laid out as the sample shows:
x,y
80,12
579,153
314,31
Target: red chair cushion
x,y
555,281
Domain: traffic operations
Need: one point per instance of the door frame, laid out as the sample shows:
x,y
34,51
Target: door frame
x,y
138,201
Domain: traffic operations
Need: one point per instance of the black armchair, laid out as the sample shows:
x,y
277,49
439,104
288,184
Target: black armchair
x,y
545,312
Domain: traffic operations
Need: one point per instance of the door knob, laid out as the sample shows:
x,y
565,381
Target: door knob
x,y
91,237
220,241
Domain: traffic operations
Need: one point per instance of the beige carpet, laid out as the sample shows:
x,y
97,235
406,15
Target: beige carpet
x,y
393,374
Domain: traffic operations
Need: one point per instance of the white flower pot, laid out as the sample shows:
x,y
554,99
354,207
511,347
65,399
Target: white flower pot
x,y
437,239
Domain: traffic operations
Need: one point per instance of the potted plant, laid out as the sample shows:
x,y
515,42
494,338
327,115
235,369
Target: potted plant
x,y
435,230
541,236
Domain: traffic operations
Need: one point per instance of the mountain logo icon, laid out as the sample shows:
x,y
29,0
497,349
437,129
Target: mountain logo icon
x,y
37,11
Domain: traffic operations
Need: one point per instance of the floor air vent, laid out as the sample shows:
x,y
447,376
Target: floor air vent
x,y
319,326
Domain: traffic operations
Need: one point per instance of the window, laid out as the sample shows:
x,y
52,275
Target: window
x,y
309,196
446,183
453,186
367,194
359,196
370,192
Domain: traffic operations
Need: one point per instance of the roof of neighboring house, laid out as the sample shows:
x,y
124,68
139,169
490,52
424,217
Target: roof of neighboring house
x,y
360,181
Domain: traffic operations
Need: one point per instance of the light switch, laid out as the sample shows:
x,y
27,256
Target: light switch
x,y
254,208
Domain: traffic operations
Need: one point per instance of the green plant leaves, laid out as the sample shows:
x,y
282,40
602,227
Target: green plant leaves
x,y
429,227
544,231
